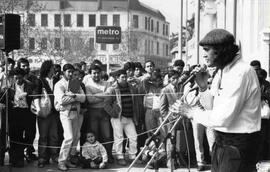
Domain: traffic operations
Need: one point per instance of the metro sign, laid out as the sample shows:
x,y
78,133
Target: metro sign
x,y
108,34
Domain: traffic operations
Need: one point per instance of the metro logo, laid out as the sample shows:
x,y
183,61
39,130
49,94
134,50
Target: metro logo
x,y
108,34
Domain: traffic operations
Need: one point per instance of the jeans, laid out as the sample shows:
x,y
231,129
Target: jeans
x,y
48,136
77,134
98,121
20,125
198,134
69,128
127,125
235,152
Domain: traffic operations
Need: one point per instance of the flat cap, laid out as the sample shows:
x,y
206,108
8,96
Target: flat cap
x,y
217,37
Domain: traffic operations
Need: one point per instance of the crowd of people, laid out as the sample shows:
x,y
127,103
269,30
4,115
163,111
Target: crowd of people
x,y
112,115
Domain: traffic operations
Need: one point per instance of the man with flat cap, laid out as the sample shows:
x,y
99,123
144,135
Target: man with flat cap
x,y
233,104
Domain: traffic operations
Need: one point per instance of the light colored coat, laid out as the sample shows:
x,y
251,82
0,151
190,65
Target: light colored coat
x,y
60,88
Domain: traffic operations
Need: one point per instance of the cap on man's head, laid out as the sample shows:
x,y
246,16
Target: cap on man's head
x,y
179,63
256,64
217,37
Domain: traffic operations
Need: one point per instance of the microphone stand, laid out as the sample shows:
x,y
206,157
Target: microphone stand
x,y
169,135
149,141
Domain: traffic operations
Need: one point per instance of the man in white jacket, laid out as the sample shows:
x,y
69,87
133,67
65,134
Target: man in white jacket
x,y
68,104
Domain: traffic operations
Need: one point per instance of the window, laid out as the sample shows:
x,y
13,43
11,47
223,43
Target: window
x,y
91,44
57,20
167,49
67,44
163,29
115,46
67,20
116,20
145,23
152,25
32,20
44,20
103,19
157,27
103,47
157,48
145,46
92,20
135,21
167,30
31,43
148,23
148,46
44,43
57,43
79,20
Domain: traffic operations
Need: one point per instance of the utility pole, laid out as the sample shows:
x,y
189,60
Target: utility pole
x,y
197,29
180,46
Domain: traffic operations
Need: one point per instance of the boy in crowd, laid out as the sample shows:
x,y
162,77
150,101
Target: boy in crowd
x,y
120,105
94,154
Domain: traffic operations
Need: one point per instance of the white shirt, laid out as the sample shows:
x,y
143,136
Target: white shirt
x,y
235,100
50,82
95,88
20,97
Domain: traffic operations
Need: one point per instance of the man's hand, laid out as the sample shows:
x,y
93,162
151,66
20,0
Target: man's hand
x,y
201,77
181,108
70,94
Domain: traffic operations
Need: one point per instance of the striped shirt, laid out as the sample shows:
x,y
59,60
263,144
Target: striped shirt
x,y
126,101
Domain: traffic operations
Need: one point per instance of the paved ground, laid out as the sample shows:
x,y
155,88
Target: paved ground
x,y
32,167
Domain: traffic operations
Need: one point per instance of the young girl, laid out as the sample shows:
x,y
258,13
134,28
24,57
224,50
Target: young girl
x,y
94,154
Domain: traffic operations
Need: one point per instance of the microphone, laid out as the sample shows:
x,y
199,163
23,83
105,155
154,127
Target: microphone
x,y
193,73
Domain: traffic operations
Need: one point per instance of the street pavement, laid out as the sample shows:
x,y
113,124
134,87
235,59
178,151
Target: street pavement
x,y
32,167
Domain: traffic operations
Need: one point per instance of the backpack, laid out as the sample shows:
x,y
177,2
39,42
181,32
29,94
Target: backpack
x,y
45,105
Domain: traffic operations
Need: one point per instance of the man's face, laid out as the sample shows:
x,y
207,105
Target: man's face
x,y
122,79
18,79
210,55
96,75
130,72
25,67
77,75
10,66
174,80
179,69
149,67
68,74
137,72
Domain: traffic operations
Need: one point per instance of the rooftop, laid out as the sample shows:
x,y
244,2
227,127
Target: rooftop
x,y
102,5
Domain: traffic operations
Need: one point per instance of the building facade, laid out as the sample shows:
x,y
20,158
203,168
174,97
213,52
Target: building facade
x,y
67,28
248,20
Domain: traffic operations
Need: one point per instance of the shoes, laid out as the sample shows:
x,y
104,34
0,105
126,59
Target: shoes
x,y
201,168
122,162
62,166
70,165
74,159
31,157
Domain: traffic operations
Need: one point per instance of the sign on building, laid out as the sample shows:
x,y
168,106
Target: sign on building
x,y
108,34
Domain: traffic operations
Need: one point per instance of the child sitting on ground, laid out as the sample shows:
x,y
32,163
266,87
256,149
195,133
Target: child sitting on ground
x,y
94,154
